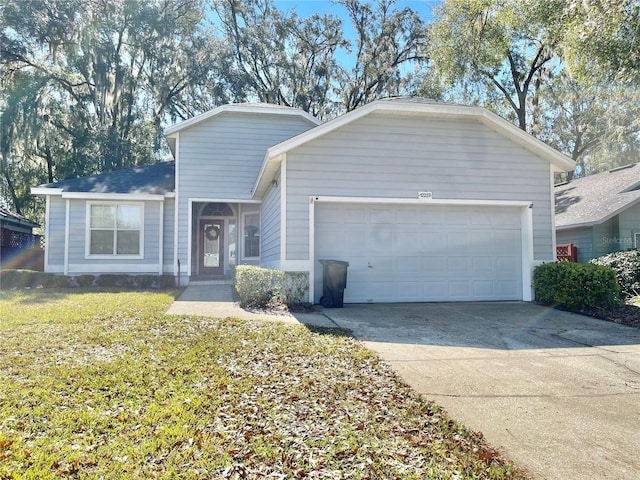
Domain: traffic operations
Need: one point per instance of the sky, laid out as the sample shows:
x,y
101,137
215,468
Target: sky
x,y
309,7
306,8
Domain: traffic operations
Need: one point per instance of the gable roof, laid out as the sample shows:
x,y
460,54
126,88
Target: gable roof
x,y
252,108
594,199
416,106
156,179
15,219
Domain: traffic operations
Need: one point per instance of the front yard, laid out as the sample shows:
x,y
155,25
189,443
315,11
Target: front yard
x,y
104,385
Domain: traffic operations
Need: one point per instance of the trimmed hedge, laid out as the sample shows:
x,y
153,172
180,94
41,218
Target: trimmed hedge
x,y
34,279
258,287
627,267
576,286
295,287
261,287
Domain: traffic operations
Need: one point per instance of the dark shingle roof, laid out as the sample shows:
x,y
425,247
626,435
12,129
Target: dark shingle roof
x,y
155,179
12,217
596,198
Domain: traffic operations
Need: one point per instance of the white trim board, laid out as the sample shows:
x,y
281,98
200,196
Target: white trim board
x,y
416,201
264,109
108,267
101,195
223,200
283,211
176,209
66,235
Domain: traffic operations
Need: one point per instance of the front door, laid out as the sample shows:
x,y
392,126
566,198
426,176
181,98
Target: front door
x,y
211,237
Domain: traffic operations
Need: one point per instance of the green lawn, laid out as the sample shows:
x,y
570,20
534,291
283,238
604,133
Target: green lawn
x,y
104,385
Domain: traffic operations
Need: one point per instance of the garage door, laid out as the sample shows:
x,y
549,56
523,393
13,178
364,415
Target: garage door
x,y
411,253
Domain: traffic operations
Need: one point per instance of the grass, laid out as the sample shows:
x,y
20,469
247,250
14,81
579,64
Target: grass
x,y
104,385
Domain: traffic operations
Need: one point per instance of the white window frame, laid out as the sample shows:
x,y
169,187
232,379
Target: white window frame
x,y
244,225
636,239
89,255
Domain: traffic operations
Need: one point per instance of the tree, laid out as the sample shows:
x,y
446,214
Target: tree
x,y
497,53
602,40
88,84
584,121
388,42
286,60
279,57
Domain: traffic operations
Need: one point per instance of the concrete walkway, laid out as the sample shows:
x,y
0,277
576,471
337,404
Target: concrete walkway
x,y
558,393
217,301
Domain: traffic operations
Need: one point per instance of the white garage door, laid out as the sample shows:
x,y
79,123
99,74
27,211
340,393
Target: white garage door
x,y
411,253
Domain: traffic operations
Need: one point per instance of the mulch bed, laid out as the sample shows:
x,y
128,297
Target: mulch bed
x,y
625,314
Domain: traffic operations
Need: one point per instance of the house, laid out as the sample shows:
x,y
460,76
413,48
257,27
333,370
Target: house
x,y
19,247
426,201
600,213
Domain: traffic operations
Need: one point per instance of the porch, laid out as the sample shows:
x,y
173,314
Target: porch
x,y
223,235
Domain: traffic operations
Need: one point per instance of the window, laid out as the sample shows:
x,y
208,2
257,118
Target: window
x,y
251,235
636,239
115,229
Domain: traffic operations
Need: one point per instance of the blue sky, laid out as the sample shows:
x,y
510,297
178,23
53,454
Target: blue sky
x,y
305,8
309,7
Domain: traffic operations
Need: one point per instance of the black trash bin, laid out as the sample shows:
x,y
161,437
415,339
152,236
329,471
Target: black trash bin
x,y
334,281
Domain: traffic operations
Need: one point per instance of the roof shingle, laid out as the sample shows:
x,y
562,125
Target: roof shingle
x,y
594,199
157,179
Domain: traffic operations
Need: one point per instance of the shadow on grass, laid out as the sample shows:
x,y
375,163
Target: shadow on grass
x,y
332,331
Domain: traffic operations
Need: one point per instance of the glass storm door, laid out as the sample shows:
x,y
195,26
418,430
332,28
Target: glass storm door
x,y
211,247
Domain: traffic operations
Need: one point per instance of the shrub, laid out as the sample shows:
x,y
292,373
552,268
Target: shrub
x,y
15,279
627,267
32,279
166,281
576,286
131,281
85,280
145,281
115,280
107,280
53,280
258,287
295,286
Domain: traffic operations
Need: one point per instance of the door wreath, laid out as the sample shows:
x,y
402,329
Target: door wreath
x,y
212,232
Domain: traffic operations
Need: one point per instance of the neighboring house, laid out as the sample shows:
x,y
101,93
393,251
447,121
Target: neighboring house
x,y
426,201
600,213
19,247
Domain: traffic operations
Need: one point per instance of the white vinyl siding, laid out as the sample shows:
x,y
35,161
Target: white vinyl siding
x,y
606,238
629,226
55,240
168,235
397,156
220,158
270,220
581,238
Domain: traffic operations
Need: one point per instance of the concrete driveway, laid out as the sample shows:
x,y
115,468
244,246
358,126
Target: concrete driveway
x,y
558,393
